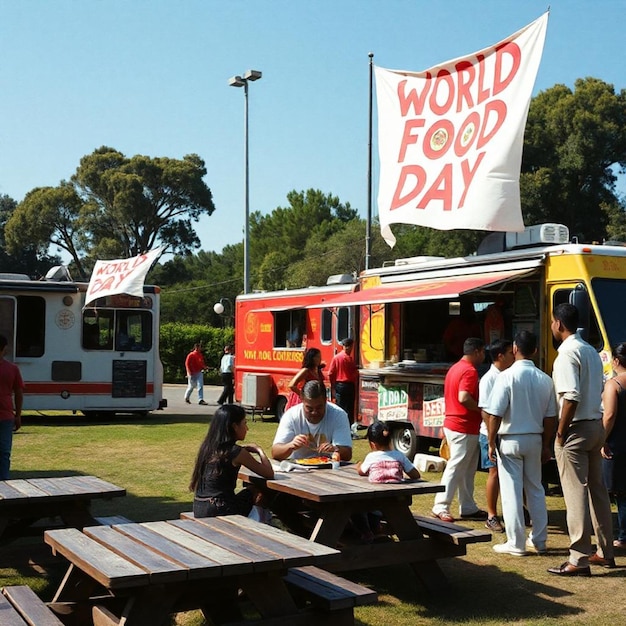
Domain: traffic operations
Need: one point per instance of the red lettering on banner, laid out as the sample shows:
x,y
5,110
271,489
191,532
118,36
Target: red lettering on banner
x,y
483,93
500,83
99,285
408,170
464,139
441,189
443,78
434,149
468,175
465,69
498,107
123,267
413,99
408,137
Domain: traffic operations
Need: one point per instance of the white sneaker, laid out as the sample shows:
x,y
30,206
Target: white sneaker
x,y
539,548
506,548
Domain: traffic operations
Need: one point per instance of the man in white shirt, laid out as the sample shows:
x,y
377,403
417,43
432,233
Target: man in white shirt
x,y
501,354
312,427
227,368
578,381
523,408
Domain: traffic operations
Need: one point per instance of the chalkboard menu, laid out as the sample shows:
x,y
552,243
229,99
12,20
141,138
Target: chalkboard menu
x,y
129,379
526,300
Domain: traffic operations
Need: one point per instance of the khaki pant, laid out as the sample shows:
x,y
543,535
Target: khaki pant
x,y
586,497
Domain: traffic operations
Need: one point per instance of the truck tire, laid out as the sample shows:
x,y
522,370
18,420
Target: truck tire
x,y
279,407
404,439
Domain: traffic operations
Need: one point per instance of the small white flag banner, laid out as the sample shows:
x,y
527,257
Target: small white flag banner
x,y
121,276
450,138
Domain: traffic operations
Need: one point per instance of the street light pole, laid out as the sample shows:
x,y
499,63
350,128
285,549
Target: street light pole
x,y
242,81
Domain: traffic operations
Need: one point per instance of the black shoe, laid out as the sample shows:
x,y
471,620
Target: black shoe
x,y
478,516
187,400
202,402
567,569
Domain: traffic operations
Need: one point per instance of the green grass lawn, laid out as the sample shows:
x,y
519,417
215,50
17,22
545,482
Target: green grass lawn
x,y
153,457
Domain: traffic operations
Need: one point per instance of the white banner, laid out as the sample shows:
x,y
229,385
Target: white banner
x,y
450,138
120,276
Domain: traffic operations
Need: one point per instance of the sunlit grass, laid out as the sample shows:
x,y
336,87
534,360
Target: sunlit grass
x,y
152,458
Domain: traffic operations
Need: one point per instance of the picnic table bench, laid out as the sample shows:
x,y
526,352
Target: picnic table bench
x,y
25,501
139,574
21,606
334,495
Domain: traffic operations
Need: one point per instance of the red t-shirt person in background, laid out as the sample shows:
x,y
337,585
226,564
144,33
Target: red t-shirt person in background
x,y
461,427
195,366
343,376
11,386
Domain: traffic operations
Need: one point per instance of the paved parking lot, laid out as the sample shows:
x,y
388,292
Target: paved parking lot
x,y
176,402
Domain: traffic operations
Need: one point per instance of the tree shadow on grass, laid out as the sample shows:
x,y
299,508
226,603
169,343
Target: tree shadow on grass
x,y
477,592
157,418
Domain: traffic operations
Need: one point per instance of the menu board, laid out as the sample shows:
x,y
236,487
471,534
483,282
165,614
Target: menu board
x,y
129,379
526,300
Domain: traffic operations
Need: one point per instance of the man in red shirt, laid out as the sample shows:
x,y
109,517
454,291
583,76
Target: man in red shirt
x,y
343,376
11,385
461,427
195,366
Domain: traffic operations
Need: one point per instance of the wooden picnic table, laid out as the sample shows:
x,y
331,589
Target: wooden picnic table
x,y
25,501
139,574
334,495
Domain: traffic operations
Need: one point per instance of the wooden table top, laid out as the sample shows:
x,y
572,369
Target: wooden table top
x,y
124,556
21,491
329,485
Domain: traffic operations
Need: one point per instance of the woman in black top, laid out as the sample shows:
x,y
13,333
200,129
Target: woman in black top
x,y
219,458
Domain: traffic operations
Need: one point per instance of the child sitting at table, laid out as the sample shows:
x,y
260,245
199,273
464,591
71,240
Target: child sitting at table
x,y
382,464
219,459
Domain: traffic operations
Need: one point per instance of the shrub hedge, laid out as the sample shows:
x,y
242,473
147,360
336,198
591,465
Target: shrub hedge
x,y
177,340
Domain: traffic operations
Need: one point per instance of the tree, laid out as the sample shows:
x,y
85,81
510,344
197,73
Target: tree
x,y
27,260
280,238
191,285
573,139
115,207
48,216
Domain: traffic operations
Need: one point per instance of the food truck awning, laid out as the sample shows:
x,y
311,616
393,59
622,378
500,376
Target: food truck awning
x,y
425,289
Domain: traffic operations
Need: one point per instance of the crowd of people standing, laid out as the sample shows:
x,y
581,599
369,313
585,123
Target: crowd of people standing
x,y
530,418
514,419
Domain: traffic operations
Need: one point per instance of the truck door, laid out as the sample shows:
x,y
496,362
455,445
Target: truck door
x,y
7,323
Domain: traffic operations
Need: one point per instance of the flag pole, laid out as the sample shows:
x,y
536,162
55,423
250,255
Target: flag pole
x,y
368,226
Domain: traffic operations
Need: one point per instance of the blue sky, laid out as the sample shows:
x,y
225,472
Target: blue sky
x,y
151,77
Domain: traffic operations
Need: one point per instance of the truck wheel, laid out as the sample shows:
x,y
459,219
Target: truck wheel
x,y
405,440
279,407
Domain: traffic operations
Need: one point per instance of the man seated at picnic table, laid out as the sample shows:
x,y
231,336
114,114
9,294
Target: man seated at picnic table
x,y
314,427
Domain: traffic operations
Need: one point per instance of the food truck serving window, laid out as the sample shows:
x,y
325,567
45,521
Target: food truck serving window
x,y
289,328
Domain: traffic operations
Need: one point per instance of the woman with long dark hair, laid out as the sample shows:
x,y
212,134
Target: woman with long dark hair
x,y
614,450
219,459
311,370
